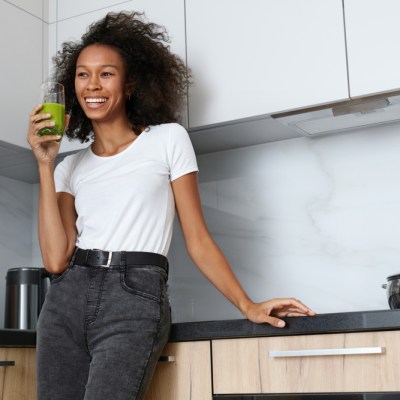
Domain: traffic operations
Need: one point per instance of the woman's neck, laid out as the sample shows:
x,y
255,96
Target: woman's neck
x,y
111,139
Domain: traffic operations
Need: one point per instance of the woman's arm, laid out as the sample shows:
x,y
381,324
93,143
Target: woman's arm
x,y
57,215
57,218
213,264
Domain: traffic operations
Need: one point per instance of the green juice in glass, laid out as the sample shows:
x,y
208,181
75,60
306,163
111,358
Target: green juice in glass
x,y
57,112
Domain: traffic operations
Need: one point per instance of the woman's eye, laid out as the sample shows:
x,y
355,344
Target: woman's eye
x,y
106,73
81,74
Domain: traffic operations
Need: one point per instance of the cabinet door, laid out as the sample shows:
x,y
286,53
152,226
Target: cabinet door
x,y
373,32
244,365
188,377
257,57
18,382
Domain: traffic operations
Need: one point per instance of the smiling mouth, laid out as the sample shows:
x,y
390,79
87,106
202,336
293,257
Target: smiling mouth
x,y
95,100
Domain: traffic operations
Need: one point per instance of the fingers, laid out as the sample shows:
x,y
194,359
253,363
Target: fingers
x,y
44,147
292,306
270,311
35,110
278,323
38,121
35,139
35,117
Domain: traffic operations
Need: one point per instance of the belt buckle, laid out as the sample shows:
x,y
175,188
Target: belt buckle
x,y
108,260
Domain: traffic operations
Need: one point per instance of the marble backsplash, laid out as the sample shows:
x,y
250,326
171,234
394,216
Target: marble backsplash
x,y
317,219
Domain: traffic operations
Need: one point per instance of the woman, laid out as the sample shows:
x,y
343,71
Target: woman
x,y
106,317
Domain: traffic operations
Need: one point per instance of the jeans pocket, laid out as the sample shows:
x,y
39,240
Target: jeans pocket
x,y
145,281
56,278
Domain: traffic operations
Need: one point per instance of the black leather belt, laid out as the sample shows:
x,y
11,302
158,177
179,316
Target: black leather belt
x,y
106,259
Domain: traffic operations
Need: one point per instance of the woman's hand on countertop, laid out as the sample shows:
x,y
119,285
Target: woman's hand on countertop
x,y
272,310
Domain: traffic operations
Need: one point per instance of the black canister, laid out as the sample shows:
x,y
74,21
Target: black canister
x,y
26,289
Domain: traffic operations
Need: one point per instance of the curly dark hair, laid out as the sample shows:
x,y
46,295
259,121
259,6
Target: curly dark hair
x,y
160,77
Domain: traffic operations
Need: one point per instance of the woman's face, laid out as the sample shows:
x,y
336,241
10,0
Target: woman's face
x,y
100,83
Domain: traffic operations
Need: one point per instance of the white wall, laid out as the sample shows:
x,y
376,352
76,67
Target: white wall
x,y
21,35
315,219
16,220
36,256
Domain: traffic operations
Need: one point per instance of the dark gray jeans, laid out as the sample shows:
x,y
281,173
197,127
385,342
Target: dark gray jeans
x,y
101,332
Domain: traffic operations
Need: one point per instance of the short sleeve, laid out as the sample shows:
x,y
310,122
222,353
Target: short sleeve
x,y
181,155
62,176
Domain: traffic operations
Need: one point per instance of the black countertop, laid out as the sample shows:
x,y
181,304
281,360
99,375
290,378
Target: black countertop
x,y
323,323
17,338
186,331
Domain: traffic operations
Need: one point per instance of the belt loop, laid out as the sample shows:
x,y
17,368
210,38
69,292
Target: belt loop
x,y
71,263
87,252
123,260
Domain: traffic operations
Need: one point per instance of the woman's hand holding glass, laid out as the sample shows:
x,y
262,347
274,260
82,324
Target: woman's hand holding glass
x,y
52,98
45,148
47,122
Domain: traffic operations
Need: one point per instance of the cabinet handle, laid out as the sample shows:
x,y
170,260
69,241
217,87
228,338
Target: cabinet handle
x,y
166,359
7,363
327,352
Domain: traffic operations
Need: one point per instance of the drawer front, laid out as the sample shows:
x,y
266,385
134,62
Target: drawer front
x,y
183,373
351,362
18,373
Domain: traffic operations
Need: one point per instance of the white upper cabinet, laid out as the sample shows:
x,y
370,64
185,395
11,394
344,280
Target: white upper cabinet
x,y
21,70
373,35
256,57
169,14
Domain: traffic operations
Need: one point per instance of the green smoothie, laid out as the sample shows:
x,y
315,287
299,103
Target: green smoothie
x,y
57,112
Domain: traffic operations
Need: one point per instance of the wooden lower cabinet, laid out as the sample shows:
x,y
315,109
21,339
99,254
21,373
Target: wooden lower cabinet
x,y
249,365
245,365
18,382
187,377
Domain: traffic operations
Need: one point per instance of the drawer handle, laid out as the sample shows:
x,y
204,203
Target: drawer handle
x,y
327,352
166,359
7,363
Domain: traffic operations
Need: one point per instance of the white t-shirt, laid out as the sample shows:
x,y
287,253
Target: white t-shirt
x,y
125,201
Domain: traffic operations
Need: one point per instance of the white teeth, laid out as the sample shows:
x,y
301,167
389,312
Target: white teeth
x,y
96,100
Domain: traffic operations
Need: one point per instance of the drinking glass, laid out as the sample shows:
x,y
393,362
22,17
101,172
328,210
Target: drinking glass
x,y
52,97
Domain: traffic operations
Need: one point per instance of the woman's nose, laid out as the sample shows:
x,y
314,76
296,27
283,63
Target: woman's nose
x,y
94,83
